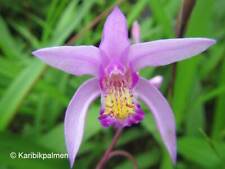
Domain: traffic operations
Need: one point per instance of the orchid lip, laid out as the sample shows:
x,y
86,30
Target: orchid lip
x,y
119,103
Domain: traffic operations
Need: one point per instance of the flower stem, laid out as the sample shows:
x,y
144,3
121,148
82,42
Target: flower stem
x,y
125,154
105,157
184,16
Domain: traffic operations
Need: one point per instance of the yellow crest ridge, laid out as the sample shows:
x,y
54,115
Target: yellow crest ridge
x,y
119,103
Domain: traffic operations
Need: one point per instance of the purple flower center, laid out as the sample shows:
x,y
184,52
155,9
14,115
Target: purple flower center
x,y
119,104
118,96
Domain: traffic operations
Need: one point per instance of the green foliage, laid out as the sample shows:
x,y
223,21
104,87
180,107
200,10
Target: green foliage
x,y
33,97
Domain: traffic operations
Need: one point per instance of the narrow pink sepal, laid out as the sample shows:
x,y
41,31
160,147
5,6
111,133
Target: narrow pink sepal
x,y
167,51
115,35
76,115
76,60
162,113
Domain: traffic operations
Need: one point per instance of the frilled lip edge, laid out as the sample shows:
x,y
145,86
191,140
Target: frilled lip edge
x,y
107,120
90,90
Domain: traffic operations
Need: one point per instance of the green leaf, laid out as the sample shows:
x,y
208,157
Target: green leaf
x,y
161,17
7,42
26,35
199,151
195,118
74,21
139,6
17,90
54,10
219,117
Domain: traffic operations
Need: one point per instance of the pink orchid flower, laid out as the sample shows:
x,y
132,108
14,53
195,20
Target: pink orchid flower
x,y
115,65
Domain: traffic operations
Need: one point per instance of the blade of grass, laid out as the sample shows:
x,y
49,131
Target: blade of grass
x,y
162,18
187,70
53,13
139,6
17,90
219,116
7,42
199,151
60,38
27,35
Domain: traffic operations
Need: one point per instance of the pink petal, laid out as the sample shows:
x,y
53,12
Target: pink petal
x,y
115,35
163,52
162,113
156,81
77,60
76,115
135,32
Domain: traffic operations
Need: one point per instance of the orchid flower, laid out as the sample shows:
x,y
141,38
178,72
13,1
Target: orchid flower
x,y
114,66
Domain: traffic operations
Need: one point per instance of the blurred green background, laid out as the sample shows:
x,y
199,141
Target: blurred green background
x,y
33,97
